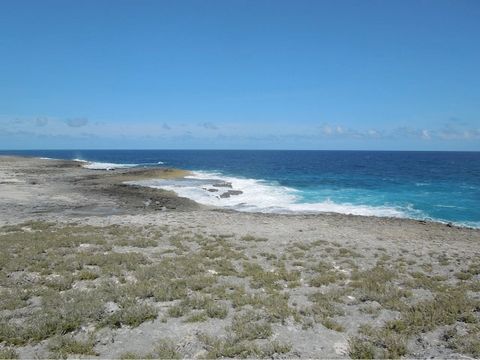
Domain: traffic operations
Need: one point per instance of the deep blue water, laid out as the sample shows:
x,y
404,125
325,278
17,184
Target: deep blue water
x,y
442,186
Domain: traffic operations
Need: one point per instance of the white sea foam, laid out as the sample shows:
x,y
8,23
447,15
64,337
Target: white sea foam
x,y
471,224
103,166
107,166
257,196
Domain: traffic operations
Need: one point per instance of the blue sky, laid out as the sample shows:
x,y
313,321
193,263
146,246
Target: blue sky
x,y
240,74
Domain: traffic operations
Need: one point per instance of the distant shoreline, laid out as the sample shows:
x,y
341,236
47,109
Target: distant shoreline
x,y
112,183
6,151
430,186
131,198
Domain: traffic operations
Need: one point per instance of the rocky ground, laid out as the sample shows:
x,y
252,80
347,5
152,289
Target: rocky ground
x,y
91,267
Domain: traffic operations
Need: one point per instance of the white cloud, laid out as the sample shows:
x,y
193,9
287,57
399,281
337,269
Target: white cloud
x,y
208,126
426,134
41,121
76,122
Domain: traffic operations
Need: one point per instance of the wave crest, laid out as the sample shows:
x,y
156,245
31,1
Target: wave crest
x,y
252,195
93,165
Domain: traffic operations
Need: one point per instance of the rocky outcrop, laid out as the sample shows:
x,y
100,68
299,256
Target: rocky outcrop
x,y
223,184
211,190
229,193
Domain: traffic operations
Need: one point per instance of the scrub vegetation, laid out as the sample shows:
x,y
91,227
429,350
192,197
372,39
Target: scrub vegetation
x,y
62,286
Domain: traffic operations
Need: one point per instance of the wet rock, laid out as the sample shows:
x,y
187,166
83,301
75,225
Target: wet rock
x,y
229,193
223,184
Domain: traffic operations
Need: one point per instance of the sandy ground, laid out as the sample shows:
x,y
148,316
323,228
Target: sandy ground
x,y
63,191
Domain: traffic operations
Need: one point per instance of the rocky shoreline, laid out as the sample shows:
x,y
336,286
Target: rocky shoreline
x,y
167,277
62,183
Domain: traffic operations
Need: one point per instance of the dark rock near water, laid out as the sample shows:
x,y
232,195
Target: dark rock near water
x,y
229,193
223,184
211,190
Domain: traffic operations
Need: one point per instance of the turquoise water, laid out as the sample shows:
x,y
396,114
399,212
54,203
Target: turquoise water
x,y
441,186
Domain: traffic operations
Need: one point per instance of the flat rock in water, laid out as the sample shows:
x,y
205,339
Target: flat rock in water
x,y
223,184
229,193
211,190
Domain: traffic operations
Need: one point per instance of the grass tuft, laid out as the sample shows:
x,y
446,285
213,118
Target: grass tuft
x,y
66,345
359,348
250,326
8,353
132,315
166,349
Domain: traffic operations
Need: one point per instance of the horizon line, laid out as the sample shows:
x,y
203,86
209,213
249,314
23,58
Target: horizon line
x,y
196,149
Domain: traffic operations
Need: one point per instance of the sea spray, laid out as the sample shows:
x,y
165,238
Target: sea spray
x,y
254,195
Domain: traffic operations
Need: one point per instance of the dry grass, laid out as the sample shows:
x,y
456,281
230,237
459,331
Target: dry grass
x,y
466,342
380,284
253,238
250,326
359,348
132,315
166,349
445,309
57,280
64,346
327,278
8,353
209,308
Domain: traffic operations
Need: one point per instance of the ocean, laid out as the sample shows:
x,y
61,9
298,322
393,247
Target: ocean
x,y
438,186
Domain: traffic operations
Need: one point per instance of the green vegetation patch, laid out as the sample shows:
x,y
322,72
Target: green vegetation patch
x,y
380,284
445,309
64,346
57,279
131,315
465,342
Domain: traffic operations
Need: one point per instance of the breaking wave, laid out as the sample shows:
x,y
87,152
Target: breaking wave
x,y
103,165
252,195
